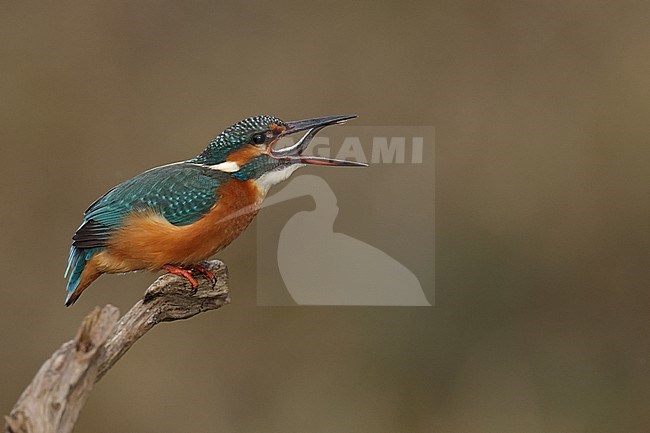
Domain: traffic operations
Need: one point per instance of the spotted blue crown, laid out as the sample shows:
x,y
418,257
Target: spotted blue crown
x,y
233,138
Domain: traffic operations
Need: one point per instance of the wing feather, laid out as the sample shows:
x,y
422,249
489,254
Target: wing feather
x,y
182,193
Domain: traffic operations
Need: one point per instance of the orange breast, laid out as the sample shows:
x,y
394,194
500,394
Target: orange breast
x,y
149,241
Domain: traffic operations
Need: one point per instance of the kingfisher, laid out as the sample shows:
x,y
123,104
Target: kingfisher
x,y
174,216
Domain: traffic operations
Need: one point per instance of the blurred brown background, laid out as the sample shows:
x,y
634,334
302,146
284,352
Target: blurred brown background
x,y
542,184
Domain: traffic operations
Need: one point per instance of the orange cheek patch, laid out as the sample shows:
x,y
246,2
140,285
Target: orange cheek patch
x,y
243,155
277,129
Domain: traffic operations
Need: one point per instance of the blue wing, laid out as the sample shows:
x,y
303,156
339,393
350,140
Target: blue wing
x,y
182,193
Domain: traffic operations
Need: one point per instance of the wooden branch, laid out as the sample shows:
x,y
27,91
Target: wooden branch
x,y
53,400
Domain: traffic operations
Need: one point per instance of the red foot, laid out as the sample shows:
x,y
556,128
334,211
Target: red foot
x,y
203,271
176,270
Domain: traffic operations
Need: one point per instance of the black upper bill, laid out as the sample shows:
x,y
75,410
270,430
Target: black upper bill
x,y
301,125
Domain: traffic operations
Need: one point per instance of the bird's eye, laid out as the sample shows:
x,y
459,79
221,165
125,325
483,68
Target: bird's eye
x,y
259,138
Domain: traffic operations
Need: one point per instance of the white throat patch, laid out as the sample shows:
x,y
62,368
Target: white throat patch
x,y
267,180
226,167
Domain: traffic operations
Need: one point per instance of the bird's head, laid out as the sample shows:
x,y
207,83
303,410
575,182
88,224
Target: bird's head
x,y
246,150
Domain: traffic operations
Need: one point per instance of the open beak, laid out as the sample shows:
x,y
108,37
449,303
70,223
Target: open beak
x,y
293,154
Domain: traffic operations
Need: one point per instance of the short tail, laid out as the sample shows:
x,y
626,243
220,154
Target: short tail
x,y
78,279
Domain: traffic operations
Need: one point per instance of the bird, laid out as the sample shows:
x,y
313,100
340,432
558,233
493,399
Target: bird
x,y
174,216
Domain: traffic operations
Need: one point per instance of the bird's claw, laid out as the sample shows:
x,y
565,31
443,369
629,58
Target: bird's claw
x,y
206,273
185,273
